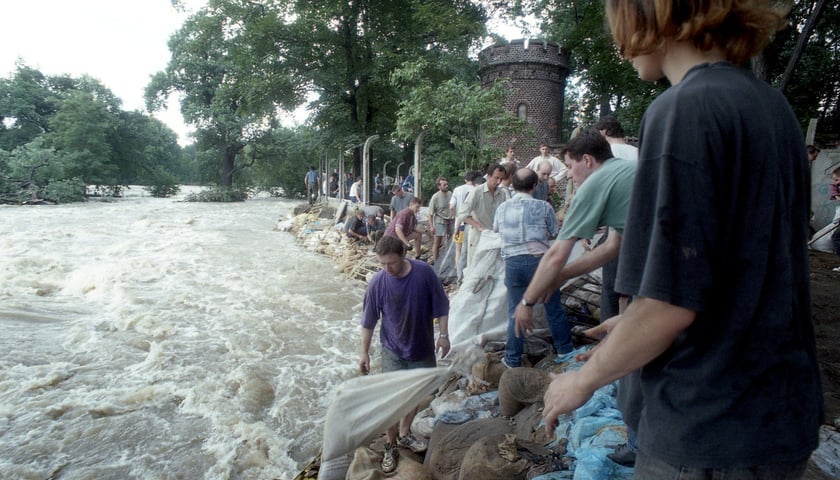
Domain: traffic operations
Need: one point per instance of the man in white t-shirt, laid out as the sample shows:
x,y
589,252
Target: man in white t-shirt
x,y
611,129
558,170
459,194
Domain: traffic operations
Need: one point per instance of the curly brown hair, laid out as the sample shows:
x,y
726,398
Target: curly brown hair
x,y
741,28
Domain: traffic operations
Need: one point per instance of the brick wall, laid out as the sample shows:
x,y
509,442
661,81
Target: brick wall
x,y
536,71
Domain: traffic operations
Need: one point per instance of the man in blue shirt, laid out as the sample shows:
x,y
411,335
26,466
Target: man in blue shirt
x,y
525,225
311,183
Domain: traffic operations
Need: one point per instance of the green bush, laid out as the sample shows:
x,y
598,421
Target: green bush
x,y
219,194
64,191
162,183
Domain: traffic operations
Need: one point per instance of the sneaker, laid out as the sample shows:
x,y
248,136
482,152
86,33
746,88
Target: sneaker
x,y
389,458
412,443
623,455
836,269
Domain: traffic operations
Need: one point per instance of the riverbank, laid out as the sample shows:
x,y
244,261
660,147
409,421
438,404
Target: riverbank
x,y
319,232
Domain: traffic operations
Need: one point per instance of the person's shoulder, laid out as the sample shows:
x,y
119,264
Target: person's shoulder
x,y
376,281
421,268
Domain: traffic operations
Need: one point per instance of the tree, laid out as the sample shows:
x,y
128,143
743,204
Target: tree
x,y
26,104
462,114
353,49
609,85
227,63
145,149
81,122
81,132
811,83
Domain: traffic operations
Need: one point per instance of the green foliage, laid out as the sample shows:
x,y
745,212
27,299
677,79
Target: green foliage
x,y
225,61
461,113
814,88
162,183
65,190
609,84
219,194
64,128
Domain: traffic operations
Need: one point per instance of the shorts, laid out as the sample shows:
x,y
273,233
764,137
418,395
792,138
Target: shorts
x,y
391,362
443,229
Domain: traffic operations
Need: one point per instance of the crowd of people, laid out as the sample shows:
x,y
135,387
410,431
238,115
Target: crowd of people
x,y
705,311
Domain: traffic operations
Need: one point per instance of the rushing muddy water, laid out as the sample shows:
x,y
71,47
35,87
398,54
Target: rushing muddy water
x,y
156,339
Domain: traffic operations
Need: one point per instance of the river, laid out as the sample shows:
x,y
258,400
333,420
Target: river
x,y
149,338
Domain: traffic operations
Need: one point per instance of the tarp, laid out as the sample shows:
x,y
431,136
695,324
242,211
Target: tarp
x,y
822,206
364,407
821,241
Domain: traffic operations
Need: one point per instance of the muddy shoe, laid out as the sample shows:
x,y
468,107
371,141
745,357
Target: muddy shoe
x,y
623,455
412,443
389,459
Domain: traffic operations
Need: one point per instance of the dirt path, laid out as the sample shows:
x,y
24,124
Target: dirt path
x,y
825,302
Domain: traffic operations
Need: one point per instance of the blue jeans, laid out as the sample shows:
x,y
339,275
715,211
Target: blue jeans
x,y
519,271
649,468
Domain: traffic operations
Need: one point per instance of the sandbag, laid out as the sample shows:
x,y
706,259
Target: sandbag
x,y
335,469
494,457
366,466
521,387
447,450
486,373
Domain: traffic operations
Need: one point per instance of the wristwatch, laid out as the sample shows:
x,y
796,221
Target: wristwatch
x,y
444,335
525,302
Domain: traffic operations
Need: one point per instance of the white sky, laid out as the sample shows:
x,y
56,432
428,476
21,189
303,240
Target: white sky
x,y
120,42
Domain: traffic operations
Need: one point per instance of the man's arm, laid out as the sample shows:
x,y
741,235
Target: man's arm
x,y
442,345
598,257
546,278
364,357
398,229
431,211
545,281
471,222
642,333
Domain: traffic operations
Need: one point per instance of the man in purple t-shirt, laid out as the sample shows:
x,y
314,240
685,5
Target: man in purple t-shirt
x,y
407,295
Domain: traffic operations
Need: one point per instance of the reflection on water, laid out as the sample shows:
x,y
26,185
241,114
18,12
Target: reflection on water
x,y
150,338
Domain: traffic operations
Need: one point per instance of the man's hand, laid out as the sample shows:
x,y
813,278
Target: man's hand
x,y
565,393
524,320
597,333
442,346
364,363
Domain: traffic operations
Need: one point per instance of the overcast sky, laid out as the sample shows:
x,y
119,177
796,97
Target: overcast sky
x,y
120,42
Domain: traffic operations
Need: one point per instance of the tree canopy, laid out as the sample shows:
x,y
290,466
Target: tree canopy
x,y
370,67
59,134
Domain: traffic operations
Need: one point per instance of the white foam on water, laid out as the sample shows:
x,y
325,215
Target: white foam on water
x,y
149,338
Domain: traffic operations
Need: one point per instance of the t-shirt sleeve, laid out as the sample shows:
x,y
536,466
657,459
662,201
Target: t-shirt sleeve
x,y
370,310
581,221
551,222
466,208
440,302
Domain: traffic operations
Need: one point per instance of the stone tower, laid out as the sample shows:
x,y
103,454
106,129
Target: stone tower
x,y
536,70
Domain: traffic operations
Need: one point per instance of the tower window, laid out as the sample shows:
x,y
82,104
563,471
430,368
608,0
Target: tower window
x,y
522,111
